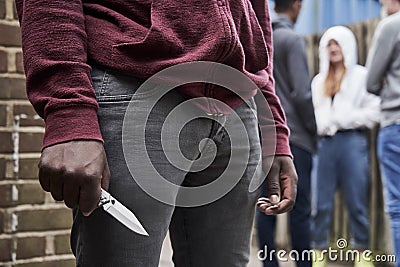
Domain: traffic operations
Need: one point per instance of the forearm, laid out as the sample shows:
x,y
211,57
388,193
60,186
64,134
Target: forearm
x,y
378,59
57,75
375,65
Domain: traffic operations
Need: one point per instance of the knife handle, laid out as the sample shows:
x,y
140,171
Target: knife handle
x,y
105,198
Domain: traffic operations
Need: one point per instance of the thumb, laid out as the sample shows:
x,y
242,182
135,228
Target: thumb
x,y
273,184
274,198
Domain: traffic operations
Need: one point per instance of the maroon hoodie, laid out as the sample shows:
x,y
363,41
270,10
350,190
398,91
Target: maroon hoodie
x,y
139,37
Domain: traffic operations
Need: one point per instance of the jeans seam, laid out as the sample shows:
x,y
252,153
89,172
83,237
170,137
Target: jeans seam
x,y
81,243
104,83
187,239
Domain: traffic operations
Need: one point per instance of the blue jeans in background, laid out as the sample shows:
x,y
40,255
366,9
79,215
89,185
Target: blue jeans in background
x,y
299,216
389,156
343,162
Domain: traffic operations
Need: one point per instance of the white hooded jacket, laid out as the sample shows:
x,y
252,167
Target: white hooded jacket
x,y
352,107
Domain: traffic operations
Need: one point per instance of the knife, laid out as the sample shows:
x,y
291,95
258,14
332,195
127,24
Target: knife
x,y
120,212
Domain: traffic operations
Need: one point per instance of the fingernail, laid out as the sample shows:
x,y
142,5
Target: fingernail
x,y
272,207
274,199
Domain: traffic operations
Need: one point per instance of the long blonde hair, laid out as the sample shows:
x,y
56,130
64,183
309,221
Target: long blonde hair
x,y
331,84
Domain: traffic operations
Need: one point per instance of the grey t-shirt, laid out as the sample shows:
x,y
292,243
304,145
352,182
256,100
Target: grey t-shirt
x,y
383,65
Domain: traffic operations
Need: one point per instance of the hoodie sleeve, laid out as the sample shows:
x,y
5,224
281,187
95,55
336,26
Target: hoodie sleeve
x,y
323,114
57,77
282,131
367,115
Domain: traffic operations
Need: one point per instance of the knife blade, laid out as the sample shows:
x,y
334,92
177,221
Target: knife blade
x,y
120,212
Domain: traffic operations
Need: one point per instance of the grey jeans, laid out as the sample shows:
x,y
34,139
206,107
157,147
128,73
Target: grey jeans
x,y
214,234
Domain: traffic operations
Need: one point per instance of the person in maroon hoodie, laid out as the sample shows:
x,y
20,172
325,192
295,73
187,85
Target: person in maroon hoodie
x,y
85,62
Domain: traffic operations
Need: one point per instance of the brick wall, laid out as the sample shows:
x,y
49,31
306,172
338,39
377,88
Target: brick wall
x,y
34,229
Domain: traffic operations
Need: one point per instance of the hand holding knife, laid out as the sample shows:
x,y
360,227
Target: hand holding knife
x,y
67,185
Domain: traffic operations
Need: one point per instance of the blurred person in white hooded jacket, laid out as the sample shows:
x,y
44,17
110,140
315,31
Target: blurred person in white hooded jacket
x,y
344,112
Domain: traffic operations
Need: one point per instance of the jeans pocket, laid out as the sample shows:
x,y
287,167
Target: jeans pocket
x,y
114,86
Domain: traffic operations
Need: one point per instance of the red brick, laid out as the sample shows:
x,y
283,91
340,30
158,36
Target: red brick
x,y
32,118
12,88
7,220
5,196
31,193
19,62
5,249
30,142
2,218
2,168
59,263
2,9
3,60
28,168
3,114
10,35
6,144
43,220
62,244
30,247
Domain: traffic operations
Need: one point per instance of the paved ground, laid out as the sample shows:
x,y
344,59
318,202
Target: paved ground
x,y
166,256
